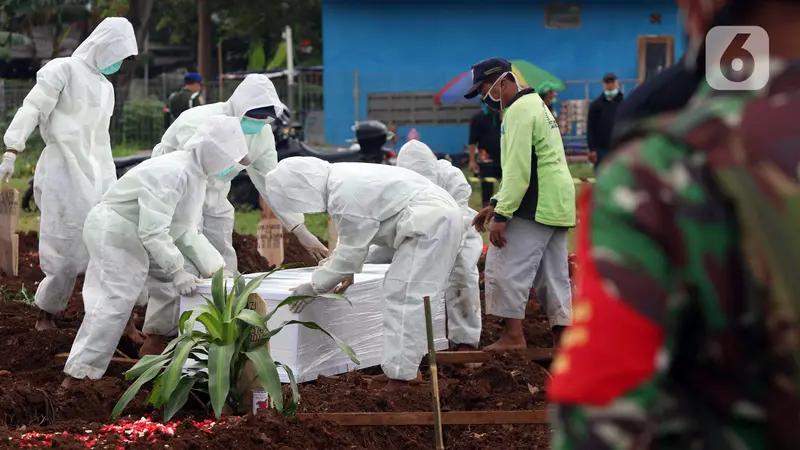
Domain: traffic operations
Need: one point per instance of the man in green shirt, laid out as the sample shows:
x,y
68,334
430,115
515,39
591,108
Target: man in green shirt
x,y
532,211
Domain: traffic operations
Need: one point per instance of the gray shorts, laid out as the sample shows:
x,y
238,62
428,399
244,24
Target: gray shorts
x,y
535,255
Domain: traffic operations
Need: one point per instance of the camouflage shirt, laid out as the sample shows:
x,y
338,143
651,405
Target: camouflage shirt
x,y
676,343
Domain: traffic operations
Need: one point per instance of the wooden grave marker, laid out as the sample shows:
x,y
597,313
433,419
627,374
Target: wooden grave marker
x,y
270,235
9,239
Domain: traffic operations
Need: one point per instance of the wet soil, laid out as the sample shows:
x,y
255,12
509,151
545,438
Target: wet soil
x,y
34,406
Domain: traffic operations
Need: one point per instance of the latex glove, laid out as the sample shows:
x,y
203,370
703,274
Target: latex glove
x,y
310,242
346,283
7,166
185,282
300,305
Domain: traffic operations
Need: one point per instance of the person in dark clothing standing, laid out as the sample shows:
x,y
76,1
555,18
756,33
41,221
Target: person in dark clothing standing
x,y
484,149
600,123
189,96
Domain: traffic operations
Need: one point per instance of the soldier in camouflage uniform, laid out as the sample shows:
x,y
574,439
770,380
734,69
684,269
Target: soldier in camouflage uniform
x,y
685,331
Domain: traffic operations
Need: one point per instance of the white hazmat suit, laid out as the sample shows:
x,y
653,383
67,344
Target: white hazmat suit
x,y
139,219
72,103
386,206
462,296
255,91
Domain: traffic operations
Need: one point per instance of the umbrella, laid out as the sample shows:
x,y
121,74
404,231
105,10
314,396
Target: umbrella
x,y
527,73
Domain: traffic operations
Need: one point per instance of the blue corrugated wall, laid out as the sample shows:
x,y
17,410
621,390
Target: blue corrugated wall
x,y
416,45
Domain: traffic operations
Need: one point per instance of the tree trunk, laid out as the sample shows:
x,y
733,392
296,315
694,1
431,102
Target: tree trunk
x,y
203,42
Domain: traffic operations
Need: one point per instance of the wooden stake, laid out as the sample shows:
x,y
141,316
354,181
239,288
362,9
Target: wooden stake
x,y
270,235
333,235
9,239
437,410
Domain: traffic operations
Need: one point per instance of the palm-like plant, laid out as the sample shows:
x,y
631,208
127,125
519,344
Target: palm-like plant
x,y
212,361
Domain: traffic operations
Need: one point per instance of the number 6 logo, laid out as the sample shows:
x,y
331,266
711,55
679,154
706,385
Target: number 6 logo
x,y
737,58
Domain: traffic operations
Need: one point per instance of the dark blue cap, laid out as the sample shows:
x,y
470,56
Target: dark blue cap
x,y
192,77
484,71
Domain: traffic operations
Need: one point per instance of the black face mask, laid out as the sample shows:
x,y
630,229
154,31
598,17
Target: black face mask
x,y
491,104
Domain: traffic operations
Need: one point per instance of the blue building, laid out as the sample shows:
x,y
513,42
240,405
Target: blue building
x,y
385,59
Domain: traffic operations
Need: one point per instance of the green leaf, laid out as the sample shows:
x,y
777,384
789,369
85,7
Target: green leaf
x,y
313,326
182,321
252,318
213,326
289,411
296,298
144,364
126,398
172,374
179,397
267,375
218,290
219,373
154,398
241,300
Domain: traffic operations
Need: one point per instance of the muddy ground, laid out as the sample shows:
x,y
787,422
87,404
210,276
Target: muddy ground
x,y
32,404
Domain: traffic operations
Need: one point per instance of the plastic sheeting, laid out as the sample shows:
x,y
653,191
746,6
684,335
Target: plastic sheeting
x,y
310,353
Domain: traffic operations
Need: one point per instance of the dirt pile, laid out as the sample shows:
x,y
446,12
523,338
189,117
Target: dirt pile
x,y
250,261
33,405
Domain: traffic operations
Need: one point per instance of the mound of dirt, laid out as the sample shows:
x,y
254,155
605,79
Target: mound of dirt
x,y
33,405
250,261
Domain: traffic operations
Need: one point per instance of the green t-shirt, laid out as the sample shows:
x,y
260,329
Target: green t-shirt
x,y
537,184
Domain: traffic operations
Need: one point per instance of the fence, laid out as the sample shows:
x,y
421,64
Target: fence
x,y
402,101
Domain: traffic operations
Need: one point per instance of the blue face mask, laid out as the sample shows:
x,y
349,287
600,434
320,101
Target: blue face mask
x,y
112,69
554,101
611,93
224,172
252,126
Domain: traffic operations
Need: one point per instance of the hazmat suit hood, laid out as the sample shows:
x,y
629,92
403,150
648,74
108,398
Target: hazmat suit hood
x,y
256,91
218,144
299,185
111,42
418,157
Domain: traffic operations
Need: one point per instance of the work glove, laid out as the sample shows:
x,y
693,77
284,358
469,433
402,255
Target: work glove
x,y
230,274
346,283
7,166
300,305
310,242
185,282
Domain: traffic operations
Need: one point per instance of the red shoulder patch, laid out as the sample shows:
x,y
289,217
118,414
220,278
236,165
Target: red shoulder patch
x,y
610,348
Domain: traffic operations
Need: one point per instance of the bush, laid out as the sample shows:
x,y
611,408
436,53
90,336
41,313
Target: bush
x,y
142,122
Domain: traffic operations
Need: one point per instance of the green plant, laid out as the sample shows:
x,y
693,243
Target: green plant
x,y
142,122
218,354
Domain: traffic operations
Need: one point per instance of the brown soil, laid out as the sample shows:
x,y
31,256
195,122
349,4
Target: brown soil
x,y
32,402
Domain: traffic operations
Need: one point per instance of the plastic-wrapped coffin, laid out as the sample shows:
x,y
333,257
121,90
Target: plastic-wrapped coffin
x,y
310,353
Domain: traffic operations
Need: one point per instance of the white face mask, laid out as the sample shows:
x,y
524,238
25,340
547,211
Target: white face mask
x,y
489,100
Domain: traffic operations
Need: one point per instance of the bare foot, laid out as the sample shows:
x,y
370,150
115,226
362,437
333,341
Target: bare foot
x,y
69,382
396,385
506,343
136,336
45,321
154,344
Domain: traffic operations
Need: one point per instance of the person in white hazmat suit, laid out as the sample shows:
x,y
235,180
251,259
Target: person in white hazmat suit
x,y
256,104
386,206
462,295
71,103
141,219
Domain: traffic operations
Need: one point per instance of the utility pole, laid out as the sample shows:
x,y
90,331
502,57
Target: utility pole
x,y
287,35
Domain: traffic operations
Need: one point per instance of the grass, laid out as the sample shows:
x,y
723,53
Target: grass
x,y
247,222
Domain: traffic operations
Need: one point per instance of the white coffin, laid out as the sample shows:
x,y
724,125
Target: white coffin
x,y
310,353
